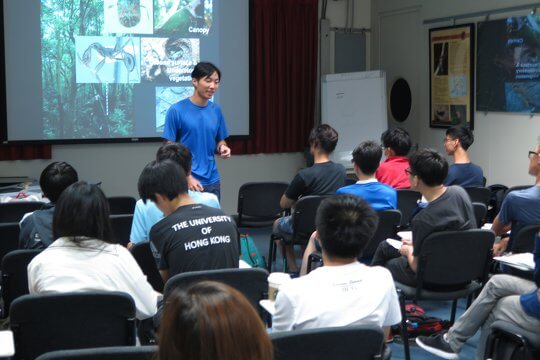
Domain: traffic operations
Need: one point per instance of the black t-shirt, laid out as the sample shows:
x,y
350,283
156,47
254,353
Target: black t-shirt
x,y
319,179
452,211
195,237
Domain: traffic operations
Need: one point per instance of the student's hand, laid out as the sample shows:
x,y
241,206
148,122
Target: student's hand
x,y
194,184
224,151
500,247
405,249
406,241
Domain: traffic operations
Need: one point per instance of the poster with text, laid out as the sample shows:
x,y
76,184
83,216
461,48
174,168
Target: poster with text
x,y
451,60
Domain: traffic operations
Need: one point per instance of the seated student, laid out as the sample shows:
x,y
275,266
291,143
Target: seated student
x,y
448,208
85,257
519,208
147,214
210,320
36,227
505,297
343,291
323,178
366,158
397,144
191,236
463,173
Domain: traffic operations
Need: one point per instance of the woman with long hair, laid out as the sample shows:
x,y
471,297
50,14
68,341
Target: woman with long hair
x,y
210,320
85,257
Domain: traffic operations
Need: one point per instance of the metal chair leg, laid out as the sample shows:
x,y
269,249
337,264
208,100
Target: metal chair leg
x,y
404,333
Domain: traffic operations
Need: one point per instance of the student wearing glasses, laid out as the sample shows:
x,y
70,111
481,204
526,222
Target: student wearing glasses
x,y
449,208
519,208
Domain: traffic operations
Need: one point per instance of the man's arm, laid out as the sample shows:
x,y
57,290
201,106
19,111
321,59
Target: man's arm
x,y
499,229
407,251
285,202
223,149
164,275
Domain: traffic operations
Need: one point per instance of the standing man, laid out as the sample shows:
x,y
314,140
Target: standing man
x,y
198,124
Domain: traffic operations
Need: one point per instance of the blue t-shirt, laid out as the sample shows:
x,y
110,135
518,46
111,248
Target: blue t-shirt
x,y
199,128
520,208
529,301
147,215
379,195
465,175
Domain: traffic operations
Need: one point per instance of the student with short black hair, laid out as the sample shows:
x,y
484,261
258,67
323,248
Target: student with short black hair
x,y
343,291
396,143
323,178
463,172
85,255
146,213
36,227
198,123
448,208
191,236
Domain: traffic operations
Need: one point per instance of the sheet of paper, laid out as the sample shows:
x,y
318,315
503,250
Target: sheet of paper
x,y
524,261
7,347
268,305
405,234
394,243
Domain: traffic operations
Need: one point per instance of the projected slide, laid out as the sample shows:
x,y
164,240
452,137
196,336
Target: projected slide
x,y
509,65
97,56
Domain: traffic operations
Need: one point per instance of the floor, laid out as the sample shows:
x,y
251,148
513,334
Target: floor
x,y
432,308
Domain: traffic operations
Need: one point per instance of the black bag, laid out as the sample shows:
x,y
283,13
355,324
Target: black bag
x,y
495,201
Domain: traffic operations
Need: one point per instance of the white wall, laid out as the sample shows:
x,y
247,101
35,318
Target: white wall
x,y
400,46
118,167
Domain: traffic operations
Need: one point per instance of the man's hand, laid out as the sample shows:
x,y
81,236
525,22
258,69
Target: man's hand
x,y
500,247
194,184
224,151
405,249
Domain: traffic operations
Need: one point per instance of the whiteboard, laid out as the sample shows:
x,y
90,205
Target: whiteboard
x,y
355,105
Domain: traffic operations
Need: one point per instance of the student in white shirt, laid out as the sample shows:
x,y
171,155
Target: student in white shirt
x,y
344,291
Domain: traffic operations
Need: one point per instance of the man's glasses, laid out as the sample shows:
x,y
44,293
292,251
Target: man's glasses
x,y
531,153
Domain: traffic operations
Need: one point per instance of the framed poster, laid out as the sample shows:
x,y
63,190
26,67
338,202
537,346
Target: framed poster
x,y
451,81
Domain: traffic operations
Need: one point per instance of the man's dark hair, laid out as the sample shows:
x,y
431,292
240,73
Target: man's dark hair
x,y
325,137
204,69
430,166
55,178
463,133
82,212
177,153
397,139
345,224
162,177
367,156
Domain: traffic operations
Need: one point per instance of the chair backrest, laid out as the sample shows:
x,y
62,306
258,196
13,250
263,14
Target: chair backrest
x,y
121,205
9,238
407,202
349,342
479,194
455,257
15,276
259,201
13,211
250,282
105,353
143,255
480,212
350,181
508,341
121,225
389,220
47,322
523,241
303,217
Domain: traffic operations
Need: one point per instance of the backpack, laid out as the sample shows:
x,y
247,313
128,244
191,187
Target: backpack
x,y
495,201
418,323
249,252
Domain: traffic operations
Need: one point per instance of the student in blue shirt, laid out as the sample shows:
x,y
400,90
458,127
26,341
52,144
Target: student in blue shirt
x,y
463,172
198,124
505,297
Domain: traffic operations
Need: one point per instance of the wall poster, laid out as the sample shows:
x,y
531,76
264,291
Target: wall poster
x,y
451,65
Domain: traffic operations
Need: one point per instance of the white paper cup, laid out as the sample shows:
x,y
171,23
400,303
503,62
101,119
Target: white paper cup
x,y
275,280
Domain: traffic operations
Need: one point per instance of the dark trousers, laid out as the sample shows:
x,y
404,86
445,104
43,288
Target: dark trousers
x,y
214,188
388,256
